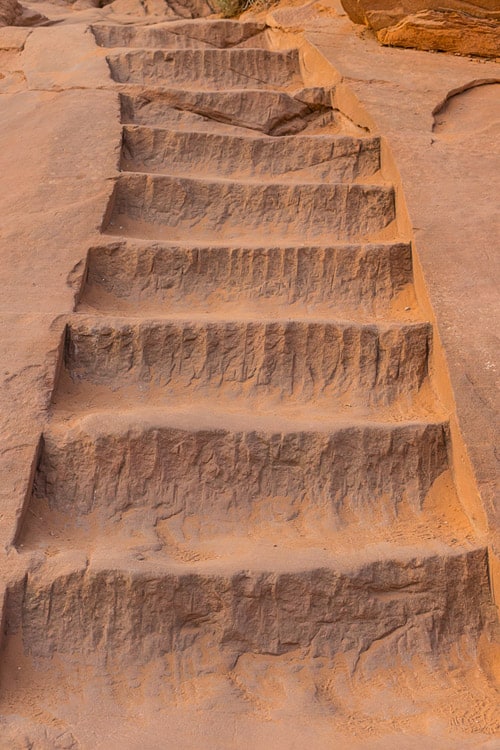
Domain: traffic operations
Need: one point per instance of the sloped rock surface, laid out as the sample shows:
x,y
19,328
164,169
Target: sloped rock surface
x,y
451,26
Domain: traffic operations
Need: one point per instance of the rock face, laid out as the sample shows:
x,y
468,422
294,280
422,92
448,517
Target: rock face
x,y
171,9
447,31
449,26
13,13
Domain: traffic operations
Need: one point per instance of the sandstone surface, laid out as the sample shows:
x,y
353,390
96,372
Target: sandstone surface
x,y
381,13
455,26
12,13
235,512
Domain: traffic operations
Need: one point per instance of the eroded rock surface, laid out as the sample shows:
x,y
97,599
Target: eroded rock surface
x,y
452,26
447,31
243,508
13,13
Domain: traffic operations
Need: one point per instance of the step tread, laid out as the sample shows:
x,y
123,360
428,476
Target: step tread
x,y
187,243
235,315
220,417
320,185
306,138
265,310
266,559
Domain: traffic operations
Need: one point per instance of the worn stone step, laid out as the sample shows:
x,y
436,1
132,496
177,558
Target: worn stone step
x,y
268,361
210,68
303,158
173,208
215,472
274,113
112,610
151,278
221,33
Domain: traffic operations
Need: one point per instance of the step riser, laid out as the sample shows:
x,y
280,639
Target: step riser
x,y
339,160
208,68
166,278
220,34
266,112
297,361
209,210
226,479
91,617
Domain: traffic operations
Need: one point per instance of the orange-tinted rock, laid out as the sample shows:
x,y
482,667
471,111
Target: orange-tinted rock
x,y
445,30
382,13
170,9
454,26
13,13
243,504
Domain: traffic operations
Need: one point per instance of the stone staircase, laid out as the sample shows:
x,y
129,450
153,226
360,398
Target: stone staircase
x,y
245,457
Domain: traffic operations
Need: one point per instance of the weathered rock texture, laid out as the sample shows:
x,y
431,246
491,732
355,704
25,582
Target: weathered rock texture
x,y
13,13
243,504
171,9
450,26
445,30
371,279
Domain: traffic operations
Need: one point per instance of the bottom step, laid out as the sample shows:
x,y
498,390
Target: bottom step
x,y
377,656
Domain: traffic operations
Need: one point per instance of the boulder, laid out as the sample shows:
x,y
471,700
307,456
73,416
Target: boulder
x,y
13,13
445,30
460,26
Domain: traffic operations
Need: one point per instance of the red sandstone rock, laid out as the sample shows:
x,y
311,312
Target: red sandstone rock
x,y
13,13
449,26
382,13
243,505
447,31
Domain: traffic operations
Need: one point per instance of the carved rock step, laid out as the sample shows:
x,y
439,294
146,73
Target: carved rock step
x,y
154,278
157,206
311,158
210,68
183,35
266,360
217,472
271,112
131,612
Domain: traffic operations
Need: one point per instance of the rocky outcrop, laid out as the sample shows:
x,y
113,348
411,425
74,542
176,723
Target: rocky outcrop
x,y
445,30
469,28
13,13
